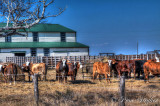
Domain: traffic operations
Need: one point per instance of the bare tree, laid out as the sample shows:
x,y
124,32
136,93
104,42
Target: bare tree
x,y
23,14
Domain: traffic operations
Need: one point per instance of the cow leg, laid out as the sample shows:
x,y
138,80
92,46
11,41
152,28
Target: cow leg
x,y
99,77
65,78
75,74
59,77
5,77
93,75
134,73
56,76
146,75
139,72
14,77
29,76
119,73
10,79
40,77
106,77
72,76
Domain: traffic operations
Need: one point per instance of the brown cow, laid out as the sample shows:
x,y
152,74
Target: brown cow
x,y
151,67
9,71
62,70
38,68
124,67
101,69
71,71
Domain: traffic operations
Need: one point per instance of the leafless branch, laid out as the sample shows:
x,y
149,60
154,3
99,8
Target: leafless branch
x,y
23,14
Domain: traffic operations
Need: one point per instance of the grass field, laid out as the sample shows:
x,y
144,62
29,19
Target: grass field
x,y
82,92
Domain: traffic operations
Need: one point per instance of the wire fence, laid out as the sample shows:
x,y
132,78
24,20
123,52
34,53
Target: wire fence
x,y
81,92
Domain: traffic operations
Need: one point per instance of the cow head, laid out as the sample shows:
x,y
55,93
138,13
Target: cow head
x,y
1,66
75,65
109,63
25,67
64,62
157,59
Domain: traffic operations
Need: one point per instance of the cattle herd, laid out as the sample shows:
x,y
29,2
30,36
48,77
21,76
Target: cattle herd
x,y
113,67
64,68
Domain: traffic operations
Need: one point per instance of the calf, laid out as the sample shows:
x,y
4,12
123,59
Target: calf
x,y
101,68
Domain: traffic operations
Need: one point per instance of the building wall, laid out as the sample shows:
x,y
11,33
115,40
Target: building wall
x,y
71,52
70,37
4,55
53,51
18,38
49,37
17,49
2,39
43,37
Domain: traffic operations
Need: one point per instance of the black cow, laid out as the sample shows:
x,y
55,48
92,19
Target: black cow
x,y
139,67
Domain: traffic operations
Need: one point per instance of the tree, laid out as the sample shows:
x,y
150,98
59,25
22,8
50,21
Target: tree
x,y
23,14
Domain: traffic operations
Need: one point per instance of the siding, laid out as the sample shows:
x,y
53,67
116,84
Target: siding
x,y
2,39
76,52
40,52
49,37
70,37
18,38
4,55
17,49
43,37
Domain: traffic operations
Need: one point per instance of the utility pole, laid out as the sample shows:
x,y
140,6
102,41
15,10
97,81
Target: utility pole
x,y
137,47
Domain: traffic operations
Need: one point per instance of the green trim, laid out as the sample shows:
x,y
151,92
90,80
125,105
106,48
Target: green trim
x,y
42,45
18,51
44,28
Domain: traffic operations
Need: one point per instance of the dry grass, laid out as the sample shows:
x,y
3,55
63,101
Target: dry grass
x,y
80,92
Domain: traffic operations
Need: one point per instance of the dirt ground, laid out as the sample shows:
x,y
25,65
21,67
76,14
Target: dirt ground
x,y
82,92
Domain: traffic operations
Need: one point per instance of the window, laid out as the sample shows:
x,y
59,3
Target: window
x,y
35,37
46,51
19,54
63,37
33,51
8,39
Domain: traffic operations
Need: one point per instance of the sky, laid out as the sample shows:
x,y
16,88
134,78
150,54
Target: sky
x,y
116,26
108,26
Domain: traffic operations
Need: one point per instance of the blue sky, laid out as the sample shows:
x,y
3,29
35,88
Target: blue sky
x,y
112,25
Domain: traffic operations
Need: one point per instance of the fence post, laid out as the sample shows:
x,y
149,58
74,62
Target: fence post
x,y
55,61
36,91
122,91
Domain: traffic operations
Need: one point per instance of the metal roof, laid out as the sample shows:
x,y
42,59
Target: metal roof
x,y
42,45
42,27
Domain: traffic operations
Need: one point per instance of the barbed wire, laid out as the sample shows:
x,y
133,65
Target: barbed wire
x,y
89,77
